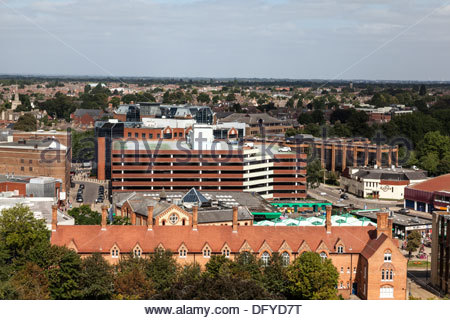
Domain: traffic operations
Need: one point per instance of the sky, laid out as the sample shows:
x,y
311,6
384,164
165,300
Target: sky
x,y
295,39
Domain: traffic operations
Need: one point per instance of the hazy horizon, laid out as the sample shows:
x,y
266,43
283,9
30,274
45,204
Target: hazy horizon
x,y
373,40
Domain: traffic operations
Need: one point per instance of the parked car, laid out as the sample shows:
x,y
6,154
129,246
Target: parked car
x,y
323,193
79,199
403,211
81,186
284,149
344,196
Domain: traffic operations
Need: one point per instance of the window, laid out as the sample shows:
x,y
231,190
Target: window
x,y
21,169
323,255
150,135
354,269
348,285
136,135
348,269
143,136
341,285
265,258
137,252
30,161
340,249
114,252
183,253
382,274
226,252
173,218
386,292
391,275
388,256
207,253
129,134
285,258
342,269
30,169
175,134
158,135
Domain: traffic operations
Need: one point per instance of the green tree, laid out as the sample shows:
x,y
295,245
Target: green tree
x,y
274,276
414,240
96,280
231,97
20,232
422,90
60,106
162,269
314,174
203,98
30,283
312,278
83,145
84,215
27,122
131,281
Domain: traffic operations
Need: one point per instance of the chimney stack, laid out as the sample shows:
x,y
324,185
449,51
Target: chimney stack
x,y
150,218
383,223
389,231
194,217
133,218
235,219
328,220
104,215
54,217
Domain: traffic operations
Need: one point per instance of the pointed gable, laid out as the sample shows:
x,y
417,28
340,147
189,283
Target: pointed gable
x,y
285,247
246,247
339,243
72,245
265,247
322,247
137,250
304,247
194,196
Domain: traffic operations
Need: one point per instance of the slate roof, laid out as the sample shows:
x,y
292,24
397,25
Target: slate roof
x,y
251,118
92,112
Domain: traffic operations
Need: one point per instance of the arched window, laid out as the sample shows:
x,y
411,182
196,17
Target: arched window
x,y
323,255
206,253
226,252
285,258
137,252
114,252
387,256
265,257
183,253
164,222
184,222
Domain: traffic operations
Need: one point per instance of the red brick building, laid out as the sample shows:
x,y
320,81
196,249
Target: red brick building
x,y
367,258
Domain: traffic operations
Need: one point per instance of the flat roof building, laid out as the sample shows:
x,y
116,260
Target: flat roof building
x,y
430,195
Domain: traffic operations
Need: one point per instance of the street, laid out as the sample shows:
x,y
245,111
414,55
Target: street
x,y
333,195
90,194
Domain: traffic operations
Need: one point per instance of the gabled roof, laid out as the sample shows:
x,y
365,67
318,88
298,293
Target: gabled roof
x,y
90,239
441,183
373,245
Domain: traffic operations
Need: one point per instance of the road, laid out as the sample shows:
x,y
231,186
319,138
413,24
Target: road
x,y
333,195
90,194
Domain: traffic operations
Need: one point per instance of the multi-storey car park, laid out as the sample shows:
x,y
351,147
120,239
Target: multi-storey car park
x,y
138,165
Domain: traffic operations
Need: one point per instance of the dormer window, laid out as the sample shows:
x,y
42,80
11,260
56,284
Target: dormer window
x,y
226,252
206,253
323,255
137,252
183,253
285,258
115,252
340,249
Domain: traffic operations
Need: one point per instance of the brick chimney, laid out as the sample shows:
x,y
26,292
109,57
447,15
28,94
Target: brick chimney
x,y
54,217
328,220
133,218
389,231
104,215
383,224
150,218
235,219
194,217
